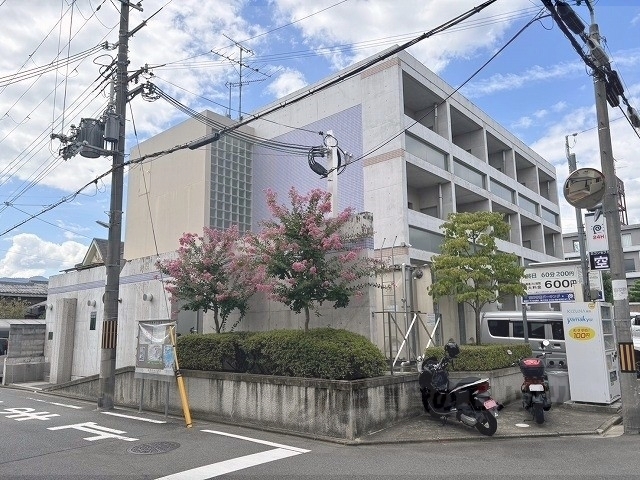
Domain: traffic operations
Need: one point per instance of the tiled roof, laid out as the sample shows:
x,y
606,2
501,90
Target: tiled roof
x,y
23,287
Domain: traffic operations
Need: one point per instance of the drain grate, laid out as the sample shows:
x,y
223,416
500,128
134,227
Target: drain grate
x,y
153,448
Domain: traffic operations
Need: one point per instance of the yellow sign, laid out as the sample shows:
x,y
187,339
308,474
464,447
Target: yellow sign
x,y
582,333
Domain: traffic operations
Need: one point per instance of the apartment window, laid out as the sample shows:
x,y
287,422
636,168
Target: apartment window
x,y
501,191
629,265
528,205
626,240
549,216
424,240
468,174
421,150
576,246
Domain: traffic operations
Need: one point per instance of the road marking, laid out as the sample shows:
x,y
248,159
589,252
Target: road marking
x,y
21,414
233,465
54,403
101,432
142,419
255,440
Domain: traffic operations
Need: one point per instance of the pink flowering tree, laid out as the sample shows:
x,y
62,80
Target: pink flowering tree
x,y
211,273
306,256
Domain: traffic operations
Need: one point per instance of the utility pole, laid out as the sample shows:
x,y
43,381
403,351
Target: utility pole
x,y
608,89
622,316
586,293
107,377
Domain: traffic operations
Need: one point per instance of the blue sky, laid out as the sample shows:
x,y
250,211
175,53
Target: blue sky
x,y
537,87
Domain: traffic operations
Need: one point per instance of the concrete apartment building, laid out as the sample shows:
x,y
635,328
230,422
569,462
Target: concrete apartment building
x,y
419,151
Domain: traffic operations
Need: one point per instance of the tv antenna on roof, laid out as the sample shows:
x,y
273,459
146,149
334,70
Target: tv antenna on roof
x,y
240,83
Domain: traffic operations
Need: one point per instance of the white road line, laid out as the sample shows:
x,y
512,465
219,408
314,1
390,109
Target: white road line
x,y
233,465
255,440
142,419
54,403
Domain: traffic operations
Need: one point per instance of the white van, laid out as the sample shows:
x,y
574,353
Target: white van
x,y
507,327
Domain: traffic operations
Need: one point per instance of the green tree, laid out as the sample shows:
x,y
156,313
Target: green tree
x,y
12,308
634,292
307,256
470,267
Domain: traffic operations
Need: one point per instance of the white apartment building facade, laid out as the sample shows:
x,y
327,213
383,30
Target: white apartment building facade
x,y
419,151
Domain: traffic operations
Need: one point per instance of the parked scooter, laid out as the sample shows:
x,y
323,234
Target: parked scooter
x,y
468,400
535,387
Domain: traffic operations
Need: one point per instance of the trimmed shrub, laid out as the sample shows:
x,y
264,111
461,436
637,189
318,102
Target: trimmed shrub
x,y
482,357
213,351
319,353
328,353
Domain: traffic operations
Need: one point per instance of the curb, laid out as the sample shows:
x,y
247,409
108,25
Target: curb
x,y
615,420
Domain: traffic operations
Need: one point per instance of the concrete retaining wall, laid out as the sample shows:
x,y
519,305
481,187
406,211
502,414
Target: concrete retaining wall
x,y
323,408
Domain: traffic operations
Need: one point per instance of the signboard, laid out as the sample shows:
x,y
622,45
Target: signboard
x,y
551,283
596,285
550,298
154,354
599,260
595,228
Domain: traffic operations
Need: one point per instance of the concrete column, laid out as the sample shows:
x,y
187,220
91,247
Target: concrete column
x,y
63,340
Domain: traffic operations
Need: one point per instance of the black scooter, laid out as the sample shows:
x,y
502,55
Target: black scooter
x,y
468,399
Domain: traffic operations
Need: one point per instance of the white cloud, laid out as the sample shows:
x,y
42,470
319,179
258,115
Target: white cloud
x,y
523,122
511,81
286,82
358,21
30,256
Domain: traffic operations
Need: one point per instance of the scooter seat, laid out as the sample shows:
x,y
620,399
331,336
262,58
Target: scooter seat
x,y
463,381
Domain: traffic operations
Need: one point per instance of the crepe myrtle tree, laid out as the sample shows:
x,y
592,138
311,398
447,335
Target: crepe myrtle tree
x,y
211,273
470,267
307,258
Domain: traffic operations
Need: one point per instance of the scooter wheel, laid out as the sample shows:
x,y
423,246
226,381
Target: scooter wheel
x,y
538,413
425,402
487,423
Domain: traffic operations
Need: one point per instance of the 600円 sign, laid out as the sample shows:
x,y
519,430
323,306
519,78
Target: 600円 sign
x,y
546,281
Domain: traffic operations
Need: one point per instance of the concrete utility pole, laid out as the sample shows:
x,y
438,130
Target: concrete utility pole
x,y
604,78
622,319
586,293
107,376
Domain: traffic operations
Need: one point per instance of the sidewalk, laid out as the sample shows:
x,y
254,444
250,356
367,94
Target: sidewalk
x,y
565,419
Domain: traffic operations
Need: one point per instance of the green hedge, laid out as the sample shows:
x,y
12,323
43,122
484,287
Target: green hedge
x,y
482,357
319,353
213,351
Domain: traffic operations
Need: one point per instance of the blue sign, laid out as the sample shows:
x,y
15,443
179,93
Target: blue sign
x,y
549,298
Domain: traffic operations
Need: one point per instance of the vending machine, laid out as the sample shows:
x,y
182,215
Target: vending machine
x,y
592,356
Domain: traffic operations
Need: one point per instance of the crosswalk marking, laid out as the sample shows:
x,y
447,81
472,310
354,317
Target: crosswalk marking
x,y
142,419
255,440
232,465
55,403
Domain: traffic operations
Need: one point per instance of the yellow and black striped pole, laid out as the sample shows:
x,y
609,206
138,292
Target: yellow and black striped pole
x,y
626,354
181,389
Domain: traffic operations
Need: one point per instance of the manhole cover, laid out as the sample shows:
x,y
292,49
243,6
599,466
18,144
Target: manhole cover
x,y
153,448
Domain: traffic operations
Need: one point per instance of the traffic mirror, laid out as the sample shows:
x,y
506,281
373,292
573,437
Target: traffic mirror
x,y
584,188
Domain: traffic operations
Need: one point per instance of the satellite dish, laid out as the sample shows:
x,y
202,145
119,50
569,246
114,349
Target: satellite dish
x,y
584,188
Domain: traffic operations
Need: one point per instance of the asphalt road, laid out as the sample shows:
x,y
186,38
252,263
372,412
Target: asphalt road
x,y
49,437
